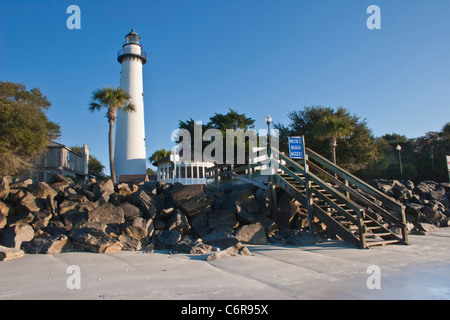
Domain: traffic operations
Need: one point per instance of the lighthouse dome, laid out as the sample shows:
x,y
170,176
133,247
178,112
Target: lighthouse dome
x,y
132,38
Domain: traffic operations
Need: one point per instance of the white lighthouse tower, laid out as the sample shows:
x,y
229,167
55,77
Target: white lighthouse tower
x,y
129,151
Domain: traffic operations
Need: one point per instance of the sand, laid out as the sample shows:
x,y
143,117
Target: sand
x,y
330,270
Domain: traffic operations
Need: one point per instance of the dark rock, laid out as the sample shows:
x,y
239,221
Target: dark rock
x,y
130,243
29,203
41,219
2,221
94,240
167,239
42,190
179,222
253,234
220,239
141,200
130,211
200,224
427,227
302,238
48,245
107,214
222,219
183,193
139,228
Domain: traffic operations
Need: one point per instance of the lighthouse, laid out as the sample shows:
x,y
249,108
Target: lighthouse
x,y
129,151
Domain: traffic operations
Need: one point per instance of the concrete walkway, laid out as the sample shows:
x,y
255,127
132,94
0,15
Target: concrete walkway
x,y
330,270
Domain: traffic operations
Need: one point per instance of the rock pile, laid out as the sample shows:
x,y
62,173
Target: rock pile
x,y
426,203
42,218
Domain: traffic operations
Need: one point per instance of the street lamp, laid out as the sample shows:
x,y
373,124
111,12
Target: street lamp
x,y
268,121
399,148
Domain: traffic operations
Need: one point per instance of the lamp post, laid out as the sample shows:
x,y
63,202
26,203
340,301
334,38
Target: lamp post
x,y
399,148
268,121
269,154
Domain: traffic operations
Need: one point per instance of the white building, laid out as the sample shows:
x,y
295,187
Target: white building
x,y
185,173
129,151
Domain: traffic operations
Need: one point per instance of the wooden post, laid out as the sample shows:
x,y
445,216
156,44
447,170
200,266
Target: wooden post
x,y
309,204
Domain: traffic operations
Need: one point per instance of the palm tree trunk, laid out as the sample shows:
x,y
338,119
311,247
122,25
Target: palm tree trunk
x,y
333,145
111,151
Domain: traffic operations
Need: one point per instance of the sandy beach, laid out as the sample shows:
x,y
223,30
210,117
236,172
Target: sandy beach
x,y
330,270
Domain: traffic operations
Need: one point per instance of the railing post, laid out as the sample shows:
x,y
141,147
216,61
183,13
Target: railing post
x,y
309,201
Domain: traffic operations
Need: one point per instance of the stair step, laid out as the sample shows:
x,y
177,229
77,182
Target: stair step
x,y
384,234
381,243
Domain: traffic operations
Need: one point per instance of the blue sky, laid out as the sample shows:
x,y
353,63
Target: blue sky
x,y
256,56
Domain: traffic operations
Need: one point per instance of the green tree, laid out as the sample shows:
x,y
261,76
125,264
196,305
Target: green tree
x,y
158,155
113,99
25,129
357,147
333,127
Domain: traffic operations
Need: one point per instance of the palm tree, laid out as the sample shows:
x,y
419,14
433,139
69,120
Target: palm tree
x,y
112,99
333,127
158,155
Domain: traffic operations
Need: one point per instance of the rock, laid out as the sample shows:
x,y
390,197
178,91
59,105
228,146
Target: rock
x,y
414,209
167,239
16,234
179,222
130,243
2,221
220,239
41,219
7,254
42,190
139,228
401,192
427,227
130,211
200,224
253,234
422,189
94,240
202,248
48,245
302,238
237,250
23,184
6,209
29,203
123,189
195,206
222,219
4,187
287,208
182,193
141,200
107,214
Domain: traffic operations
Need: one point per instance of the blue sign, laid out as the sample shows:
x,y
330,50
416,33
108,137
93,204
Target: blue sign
x,y
296,148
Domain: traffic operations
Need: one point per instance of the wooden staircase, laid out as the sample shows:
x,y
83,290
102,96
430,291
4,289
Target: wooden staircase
x,y
349,207
343,218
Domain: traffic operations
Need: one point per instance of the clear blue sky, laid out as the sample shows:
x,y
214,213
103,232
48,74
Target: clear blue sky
x,y
256,56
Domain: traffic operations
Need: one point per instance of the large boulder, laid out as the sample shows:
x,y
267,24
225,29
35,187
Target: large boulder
x,y
222,219
94,240
42,190
48,245
252,233
179,222
139,228
16,234
141,200
191,199
107,214
10,253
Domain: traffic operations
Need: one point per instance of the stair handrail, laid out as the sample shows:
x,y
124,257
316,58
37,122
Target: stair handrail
x,y
394,205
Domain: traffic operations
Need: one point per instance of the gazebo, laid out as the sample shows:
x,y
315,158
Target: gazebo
x,y
171,170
